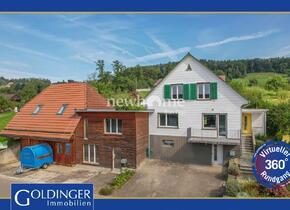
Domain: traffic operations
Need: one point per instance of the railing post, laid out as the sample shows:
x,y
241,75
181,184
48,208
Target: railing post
x,y
189,132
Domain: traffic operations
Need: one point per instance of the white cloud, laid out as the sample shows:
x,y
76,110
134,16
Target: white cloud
x,y
282,52
238,38
164,47
15,74
160,55
29,51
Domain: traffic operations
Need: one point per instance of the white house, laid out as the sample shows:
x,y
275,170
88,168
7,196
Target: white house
x,y
197,117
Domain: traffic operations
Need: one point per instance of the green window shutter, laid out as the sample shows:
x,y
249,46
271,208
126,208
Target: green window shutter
x,y
213,90
167,92
192,92
186,92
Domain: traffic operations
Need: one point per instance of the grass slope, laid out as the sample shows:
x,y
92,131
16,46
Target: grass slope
x,y
4,120
263,77
251,92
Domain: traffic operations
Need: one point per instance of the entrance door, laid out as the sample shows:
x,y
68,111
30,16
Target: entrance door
x,y
222,129
217,154
117,157
59,156
63,153
247,123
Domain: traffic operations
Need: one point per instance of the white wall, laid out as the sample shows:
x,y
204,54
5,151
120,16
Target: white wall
x,y
190,114
258,123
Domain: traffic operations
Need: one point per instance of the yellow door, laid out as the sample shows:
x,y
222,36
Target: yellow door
x,y
247,123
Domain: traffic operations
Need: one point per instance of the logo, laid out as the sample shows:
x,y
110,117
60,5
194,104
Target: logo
x,y
271,164
52,196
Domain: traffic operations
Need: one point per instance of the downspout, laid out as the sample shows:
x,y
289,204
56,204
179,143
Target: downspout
x,y
149,142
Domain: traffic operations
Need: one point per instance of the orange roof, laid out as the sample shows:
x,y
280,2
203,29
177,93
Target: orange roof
x,y
47,123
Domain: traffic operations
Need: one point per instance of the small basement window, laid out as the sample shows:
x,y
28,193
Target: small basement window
x,y
62,109
168,143
37,109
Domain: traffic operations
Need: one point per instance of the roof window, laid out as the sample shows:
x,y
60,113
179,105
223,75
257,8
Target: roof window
x,y
62,109
37,109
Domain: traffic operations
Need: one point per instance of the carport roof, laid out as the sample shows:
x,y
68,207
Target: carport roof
x,y
36,135
254,110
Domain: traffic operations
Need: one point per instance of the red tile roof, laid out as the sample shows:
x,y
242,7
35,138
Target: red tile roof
x,y
47,123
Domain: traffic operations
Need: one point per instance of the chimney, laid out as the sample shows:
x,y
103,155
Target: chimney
x,y
222,77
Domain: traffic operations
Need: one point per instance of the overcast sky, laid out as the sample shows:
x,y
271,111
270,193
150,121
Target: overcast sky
x,y
65,47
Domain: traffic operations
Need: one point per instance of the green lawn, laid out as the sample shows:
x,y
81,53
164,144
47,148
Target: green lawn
x,y
250,92
263,77
4,119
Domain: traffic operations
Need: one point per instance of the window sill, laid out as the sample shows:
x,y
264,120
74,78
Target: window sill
x,y
209,128
86,139
173,127
113,134
204,99
172,99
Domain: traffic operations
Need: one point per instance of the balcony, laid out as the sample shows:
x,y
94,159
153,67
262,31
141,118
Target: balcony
x,y
231,137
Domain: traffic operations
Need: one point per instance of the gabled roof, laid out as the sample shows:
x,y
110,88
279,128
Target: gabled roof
x,y
46,123
207,69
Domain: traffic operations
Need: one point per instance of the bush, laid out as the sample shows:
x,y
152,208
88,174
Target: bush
x,y
233,168
251,187
281,191
107,190
122,178
243,194
233,187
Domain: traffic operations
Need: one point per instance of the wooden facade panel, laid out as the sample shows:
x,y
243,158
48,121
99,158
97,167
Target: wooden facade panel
x,y
127,144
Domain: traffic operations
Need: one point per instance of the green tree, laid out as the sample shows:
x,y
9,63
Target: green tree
x,y
275,83
100,67
5,104
118,66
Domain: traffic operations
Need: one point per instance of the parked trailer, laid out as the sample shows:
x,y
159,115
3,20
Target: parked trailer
x,y
34,157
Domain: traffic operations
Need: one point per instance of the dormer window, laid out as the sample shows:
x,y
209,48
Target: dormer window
x,y
62,109
188,68
37,109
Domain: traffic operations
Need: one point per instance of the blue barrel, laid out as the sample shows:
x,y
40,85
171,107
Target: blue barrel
x,y
36,156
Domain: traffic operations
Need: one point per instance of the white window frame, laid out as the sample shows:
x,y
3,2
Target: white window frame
x,y
89,154
203,91
177,89
117,126
62,109
166,122
37,109
86,123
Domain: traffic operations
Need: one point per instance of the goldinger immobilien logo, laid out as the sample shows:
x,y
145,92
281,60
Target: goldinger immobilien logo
x,y
52,196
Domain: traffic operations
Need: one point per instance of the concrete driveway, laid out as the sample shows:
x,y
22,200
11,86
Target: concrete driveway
x,y
157,178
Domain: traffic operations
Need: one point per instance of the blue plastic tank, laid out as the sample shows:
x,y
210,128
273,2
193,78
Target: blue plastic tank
x,y
37,156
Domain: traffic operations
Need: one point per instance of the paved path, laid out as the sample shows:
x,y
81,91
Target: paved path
x,y
5,186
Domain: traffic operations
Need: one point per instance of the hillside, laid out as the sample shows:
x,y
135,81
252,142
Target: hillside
x,y
255,87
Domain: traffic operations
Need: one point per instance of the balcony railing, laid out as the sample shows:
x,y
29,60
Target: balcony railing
x,y
212,135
